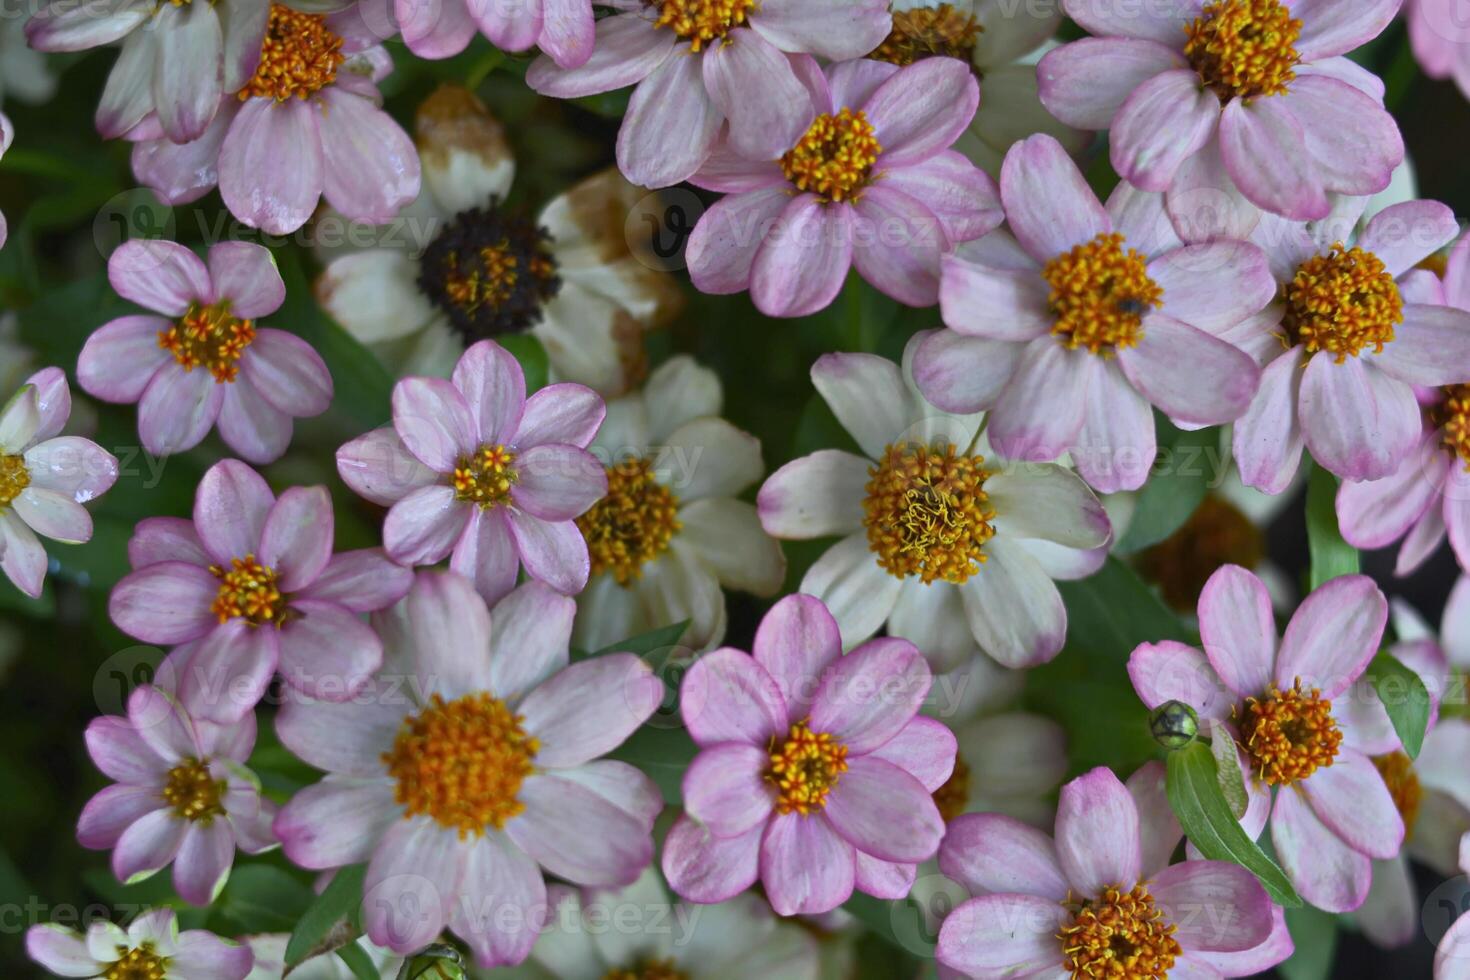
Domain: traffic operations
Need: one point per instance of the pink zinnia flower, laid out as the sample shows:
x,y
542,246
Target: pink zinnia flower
x,y
473,766
308,124
869,180
45,478
815,770
564,29
1331,813
1047,907
203,360
183,795
1355,331
1072,325
698,65
251,586
1440,34
474,471
151,946
1237,103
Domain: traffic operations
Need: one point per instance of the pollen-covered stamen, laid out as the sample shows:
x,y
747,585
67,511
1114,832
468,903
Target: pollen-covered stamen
x,y
1244,48
462,763
1289,734
14,478
299,56
701,22
805,768
954,796
648,969
1216,534
485,477
248,591
1342,303
193,792
1122,935
927,513
137,963
929,32
1451,416
633,524
1403,785
491,271
835,158
209,337
1100,293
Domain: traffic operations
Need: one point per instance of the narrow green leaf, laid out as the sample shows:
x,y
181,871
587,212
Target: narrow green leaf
x,y
1331,555
264,898
357,960
336,904
1404,697
901,923
1314,933
1111,612
532,356
1227,769
1194,794
659,641
1186,466
663,754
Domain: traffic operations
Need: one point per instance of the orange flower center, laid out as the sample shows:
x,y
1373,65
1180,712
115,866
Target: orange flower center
x,y
462,763
1288,735
633,524
929,32
208,336
927,513
298,57
138,963
701,22
1216,534
1451,416
1341,303
954,796
1244,48
1099,295
648,970
14,478
1403,785
805,768
193,792
486,477
835,158
247,590
1121,936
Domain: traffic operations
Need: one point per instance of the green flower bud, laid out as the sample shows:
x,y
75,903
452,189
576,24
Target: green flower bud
x,y
1174,725
437,962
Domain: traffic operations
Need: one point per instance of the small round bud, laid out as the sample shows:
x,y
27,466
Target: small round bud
x,y
1174,724
438,962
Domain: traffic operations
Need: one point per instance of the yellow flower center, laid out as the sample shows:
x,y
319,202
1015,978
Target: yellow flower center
x,y
929,32
1341,303
486,477
1288,735
1121,936
648,970
1100,293
247,590
462,763
954,796
835,158
138,963
1451,415
927,513
1398,775
298,57
805,768
1244,48
633,524
701,22
208,336
14,478
193,791
1216,534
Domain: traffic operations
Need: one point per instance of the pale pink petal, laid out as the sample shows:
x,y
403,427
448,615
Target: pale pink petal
x,y
530,630
1043,419
177,409
1163,122
727,697
795,643
723,246
112,811
725,788
1188,374
326,651
802,263
1353,141
1332,635
159,275
204,861
119,359
1265,153
885,812
836,29
814,496
897,242
53,515
1239,630
1097,833
565,413
670,126
120,753
297,538
1013,607
493,386
557,482
859,593
1331,29
336,822
486,553
922,109
963,374
1358,421
807,868
1376,513
1351,800
1172,671
251,426
962,196
590,708
435,30
61,951
270,164
1085,83
553,552
500,899
1268,439
378,467
188,72
1214,287
868,696
1048,203
627,50
229,671
1406,234
1117,445
1431,347
1325,871
230,510
22,557
703,868
1218,906
578,835
148,845
760,128
988,852
444,620
1003,935
924,748
411,882
289,373
435,422
997,304
1164,23
165,603
568,34
513,25
342,738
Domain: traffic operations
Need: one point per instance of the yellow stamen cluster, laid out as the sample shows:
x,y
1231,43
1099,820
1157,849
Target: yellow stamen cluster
x,y
138,963
835,158
208,336
14,478
633,524
1451,416
193,792
299,56
805,767
247,590
489,282
648,970
927,513
1215,535
1244,49
1100,292
954,795
701,22
1122,935
1403,785
486,477
462,763
1341,303
929,32
1288,735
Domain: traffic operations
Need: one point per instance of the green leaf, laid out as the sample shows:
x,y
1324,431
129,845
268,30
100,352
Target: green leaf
x,y
1112,612
1227,769
1404,697
899,923
660,642
663,754
1331,555
264,898
532,356
337,903
1314,933
1194,794
358,961
1186,465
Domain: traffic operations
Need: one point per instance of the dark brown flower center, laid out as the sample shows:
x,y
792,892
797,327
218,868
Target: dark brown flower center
x,y
491,271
